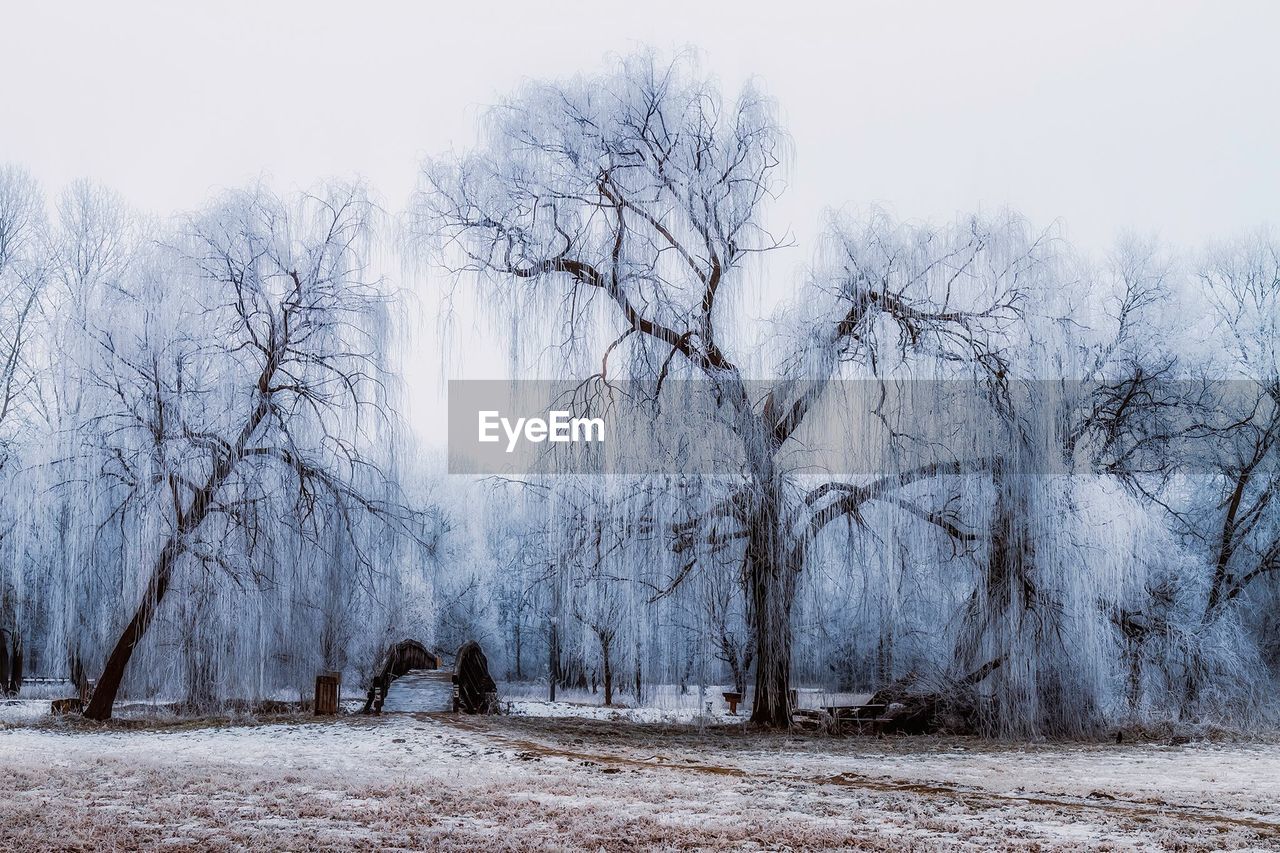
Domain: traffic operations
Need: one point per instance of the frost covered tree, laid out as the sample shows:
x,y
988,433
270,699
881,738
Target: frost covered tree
x,y
961,461
239,399
1211,629
133,352
23,270
1243,284
23,273
642,192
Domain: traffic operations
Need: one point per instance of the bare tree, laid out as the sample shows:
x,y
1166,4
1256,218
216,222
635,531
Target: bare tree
x,y
1243,284
644,191
23,272
597,578
246,395
729,624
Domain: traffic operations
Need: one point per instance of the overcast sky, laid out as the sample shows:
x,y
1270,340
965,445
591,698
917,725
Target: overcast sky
x,y
1159,115
1155,116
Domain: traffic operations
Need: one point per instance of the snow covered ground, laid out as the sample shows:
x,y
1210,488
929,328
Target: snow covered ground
x,y
441,781
664,702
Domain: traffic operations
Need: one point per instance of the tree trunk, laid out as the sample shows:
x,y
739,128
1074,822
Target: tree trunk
x,y
519,668
553,654
772,584
15,665
639,677
735,672
738,663
104,693
607,666
4,663
771,705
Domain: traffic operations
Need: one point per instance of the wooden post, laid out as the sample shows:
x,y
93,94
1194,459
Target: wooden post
x,y
327,692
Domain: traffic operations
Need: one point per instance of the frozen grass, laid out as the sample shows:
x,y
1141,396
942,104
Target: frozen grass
x,y
414,782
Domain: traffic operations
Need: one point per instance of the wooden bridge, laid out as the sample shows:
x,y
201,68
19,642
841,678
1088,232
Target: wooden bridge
x,y
420,690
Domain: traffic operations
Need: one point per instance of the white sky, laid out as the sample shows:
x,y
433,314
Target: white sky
x,y
1155,116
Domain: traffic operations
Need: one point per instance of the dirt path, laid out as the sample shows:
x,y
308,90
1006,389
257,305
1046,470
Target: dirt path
x,y
1099,803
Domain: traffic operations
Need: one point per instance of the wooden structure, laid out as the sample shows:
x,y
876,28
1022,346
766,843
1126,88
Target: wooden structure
x,y
427,688
328,694
403,657
476,691
858,718
72,704
429,691
10,663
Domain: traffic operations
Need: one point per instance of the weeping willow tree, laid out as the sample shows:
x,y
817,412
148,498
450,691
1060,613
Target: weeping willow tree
x,y
23,271
201,462
1040,515
959,458
643,192
1243,285
23,274
242,400
1209,636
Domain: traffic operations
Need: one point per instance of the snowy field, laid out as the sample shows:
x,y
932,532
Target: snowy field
x,y
440,781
